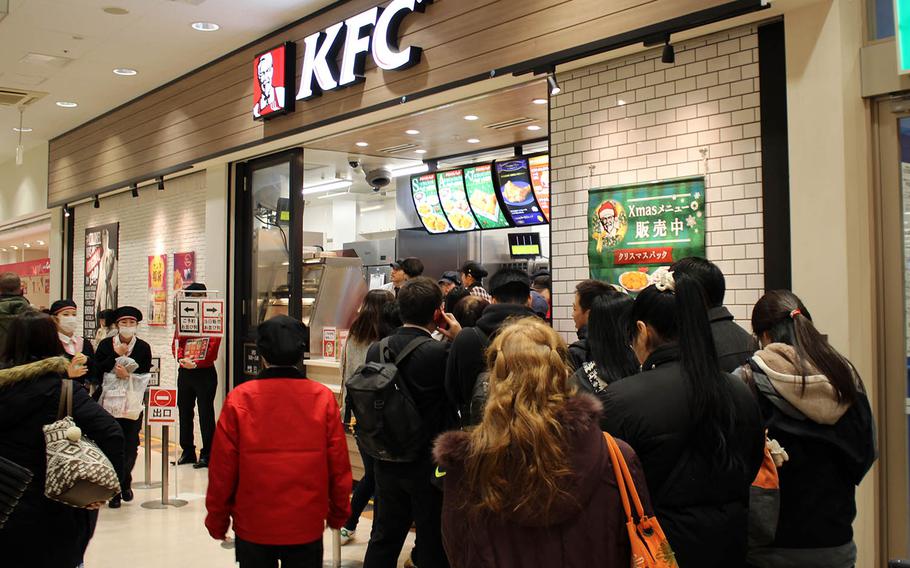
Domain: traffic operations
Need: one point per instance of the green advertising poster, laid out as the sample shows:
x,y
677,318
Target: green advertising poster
x,y
902,29
635,229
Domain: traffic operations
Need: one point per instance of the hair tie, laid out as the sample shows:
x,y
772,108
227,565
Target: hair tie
x,y
795,313
663,280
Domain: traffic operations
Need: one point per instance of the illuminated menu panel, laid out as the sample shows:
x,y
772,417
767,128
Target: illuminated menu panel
x,y
426,201
514,178
540,180
454,200
482,197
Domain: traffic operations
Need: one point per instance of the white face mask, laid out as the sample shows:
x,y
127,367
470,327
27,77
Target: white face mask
x,y
128,332
68,324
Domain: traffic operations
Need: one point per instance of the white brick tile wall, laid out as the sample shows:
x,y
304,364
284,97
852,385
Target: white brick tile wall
x,y
707,101
158,222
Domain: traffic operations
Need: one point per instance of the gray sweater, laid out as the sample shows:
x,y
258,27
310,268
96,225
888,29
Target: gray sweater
x,y
353,355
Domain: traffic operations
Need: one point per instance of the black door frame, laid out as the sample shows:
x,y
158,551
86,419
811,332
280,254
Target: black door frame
x,y
244,332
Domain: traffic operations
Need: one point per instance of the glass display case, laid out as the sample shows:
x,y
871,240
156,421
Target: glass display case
x,y
332,289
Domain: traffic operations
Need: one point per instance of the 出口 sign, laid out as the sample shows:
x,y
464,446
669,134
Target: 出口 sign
x,y
633,230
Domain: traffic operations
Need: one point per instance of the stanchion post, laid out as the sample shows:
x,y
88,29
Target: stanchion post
x,y
147,450
165,502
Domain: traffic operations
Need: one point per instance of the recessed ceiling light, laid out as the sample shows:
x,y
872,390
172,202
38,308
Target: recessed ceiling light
x,y
115,11
471,117
67,104
23,129
125,72
362,144
27,245
473,141
412,132
534,127
41,243
539,101
2,250
420,151
205,26
620,102
14,247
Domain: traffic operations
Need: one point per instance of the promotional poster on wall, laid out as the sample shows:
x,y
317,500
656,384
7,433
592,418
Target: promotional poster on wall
x,y
635,229
101,262
184,269
157,314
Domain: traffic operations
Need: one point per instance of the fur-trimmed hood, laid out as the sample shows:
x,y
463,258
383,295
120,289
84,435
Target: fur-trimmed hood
x,y
580,419
33,370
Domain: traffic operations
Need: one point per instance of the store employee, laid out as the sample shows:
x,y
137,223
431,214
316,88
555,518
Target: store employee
x,y
402,271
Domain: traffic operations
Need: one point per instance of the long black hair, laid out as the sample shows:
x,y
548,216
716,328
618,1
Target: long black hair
x,y
367,326
680,315
784,317
32,336
608,336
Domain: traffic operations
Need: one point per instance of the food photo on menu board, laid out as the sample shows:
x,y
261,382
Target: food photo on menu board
x,y
455,201
633,230
482,197
426,201
540,181
517,193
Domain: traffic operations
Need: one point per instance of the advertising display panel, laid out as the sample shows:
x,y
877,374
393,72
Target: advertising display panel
x,y
426,201
514,186
481,192
454,200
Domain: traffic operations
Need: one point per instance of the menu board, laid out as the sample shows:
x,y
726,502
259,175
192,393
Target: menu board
x,y
482,197
540,180
517,193
455,201
426,201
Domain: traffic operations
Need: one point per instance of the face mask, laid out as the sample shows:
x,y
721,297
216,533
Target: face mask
x,y
68,324
128,332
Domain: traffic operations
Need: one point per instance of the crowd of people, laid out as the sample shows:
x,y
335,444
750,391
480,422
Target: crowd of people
x,y
481,429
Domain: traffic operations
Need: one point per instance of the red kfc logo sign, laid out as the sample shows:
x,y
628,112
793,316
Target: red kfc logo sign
x,y
274,81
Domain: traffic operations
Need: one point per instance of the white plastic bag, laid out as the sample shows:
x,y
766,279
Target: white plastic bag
x,y
124,398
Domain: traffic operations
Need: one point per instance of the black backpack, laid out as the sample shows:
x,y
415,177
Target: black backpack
x,y
481,389
388,426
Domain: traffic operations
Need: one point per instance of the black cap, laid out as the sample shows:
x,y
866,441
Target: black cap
x,y
199,286
510,278
449,276
474,269
61,305
127,312
412,266
282,341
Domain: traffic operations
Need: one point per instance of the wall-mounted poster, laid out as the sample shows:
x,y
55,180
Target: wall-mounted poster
x,y
482,197
101,261
184,269
635,229
157,313
517,194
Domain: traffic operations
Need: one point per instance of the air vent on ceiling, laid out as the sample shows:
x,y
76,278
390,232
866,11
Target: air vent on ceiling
x,y
17,97
512,123
45,60
398,149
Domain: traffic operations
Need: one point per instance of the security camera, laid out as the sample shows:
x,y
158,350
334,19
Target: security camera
x,y
376,189
354,163
379,178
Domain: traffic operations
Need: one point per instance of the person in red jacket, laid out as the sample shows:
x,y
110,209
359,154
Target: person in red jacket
x,y
279,467
197,383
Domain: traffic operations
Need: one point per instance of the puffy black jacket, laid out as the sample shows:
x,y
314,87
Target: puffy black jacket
x,y
467,357
42,533
703,510
734,345
10,307
579,353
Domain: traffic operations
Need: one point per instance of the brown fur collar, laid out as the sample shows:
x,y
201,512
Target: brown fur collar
x,y
577,415
32,370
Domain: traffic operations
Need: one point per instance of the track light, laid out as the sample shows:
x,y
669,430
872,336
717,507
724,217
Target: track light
x,y
66,211
134,189
161,183
669,55
554,86
97,204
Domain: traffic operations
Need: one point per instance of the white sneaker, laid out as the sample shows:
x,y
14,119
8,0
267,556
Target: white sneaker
x,y
346,536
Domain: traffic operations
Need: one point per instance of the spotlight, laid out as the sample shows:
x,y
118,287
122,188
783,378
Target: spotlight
x,y
134,189
97,204
161,183
66,211
669,55
554,86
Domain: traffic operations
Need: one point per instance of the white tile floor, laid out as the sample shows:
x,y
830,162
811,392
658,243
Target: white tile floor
x,y
135,537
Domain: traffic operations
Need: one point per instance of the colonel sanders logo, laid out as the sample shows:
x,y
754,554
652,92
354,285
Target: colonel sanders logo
x,y
609,224
269,89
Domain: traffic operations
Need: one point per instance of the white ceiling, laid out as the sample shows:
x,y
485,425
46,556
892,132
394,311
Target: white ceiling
x,y
155,38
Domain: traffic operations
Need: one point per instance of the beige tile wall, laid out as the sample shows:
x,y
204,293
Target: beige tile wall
x,y
636,119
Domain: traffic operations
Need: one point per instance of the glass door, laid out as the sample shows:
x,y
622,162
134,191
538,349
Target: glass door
x,y
268,249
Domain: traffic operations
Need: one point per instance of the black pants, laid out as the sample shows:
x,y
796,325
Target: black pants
x,y
364,490
252,555
197,385
131,430
406,494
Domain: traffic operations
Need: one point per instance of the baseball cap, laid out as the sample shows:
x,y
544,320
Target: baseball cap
x,y
282,340
510,280
449,276
474,269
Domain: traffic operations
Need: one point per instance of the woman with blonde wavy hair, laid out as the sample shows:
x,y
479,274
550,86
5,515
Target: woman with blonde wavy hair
x,y
533,484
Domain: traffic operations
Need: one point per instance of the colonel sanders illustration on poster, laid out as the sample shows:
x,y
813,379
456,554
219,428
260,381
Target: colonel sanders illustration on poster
x,y
609,224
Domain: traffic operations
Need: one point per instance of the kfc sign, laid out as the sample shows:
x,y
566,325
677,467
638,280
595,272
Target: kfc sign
x,y
373,32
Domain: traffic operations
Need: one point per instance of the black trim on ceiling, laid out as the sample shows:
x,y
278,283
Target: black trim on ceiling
x,y
704,17
70,248
775,160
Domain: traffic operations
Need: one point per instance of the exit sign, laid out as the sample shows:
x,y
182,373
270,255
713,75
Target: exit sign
x,y
902,34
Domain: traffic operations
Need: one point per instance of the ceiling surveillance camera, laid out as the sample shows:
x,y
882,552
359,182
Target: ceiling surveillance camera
x,y
354,163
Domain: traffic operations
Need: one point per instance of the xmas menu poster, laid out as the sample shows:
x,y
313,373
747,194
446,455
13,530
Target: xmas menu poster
x,y
184,269
635,229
